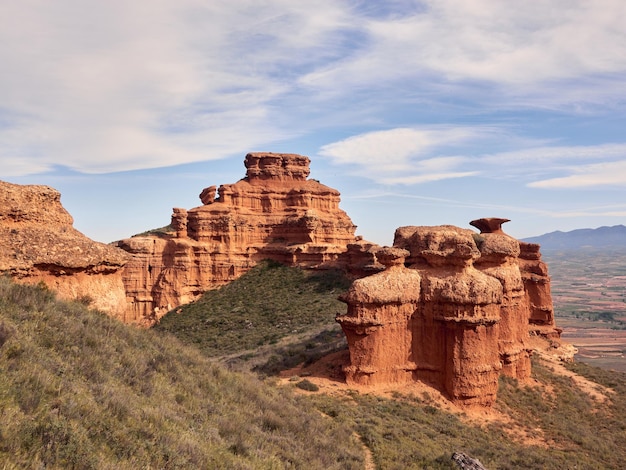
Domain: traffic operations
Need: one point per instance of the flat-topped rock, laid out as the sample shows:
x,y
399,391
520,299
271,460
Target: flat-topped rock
x,y
274,212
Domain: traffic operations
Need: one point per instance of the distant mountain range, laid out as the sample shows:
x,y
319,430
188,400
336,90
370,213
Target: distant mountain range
x,y
602,237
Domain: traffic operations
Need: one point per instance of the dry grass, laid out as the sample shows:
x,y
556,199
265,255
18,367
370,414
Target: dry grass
x,y
80,390
538,430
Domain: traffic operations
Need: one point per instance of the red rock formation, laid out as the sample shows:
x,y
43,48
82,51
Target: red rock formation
x,y
360,259
499,257
275,212
456,341
39,244
378,323
456,318
538,294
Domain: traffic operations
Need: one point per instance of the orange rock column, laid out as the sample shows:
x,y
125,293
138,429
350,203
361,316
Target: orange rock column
x,y
455,329
378,322
499,259
538,293
467,305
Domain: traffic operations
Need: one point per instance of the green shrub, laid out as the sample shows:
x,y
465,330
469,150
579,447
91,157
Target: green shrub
x,y
265,305
307,385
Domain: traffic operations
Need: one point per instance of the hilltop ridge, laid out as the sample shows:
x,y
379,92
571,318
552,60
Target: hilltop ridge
x,y
598,238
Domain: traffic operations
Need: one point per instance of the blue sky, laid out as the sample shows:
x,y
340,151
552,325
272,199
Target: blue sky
x,y
418,112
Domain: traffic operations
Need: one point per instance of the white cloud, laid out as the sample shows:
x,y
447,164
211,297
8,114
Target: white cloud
x,y
556,153
523,51
417,155
111,86
405,155
390,148
117,85
427,177
585,176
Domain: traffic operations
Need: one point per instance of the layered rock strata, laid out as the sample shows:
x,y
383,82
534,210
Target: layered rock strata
x,y
275,212
499,258
451,309
39,244
378,324
538,293
456,345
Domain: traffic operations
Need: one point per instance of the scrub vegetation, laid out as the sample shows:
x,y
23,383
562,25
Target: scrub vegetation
x,y
80,390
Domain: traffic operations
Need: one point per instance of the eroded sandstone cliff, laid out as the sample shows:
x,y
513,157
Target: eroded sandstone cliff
x,y
452,309
39,243
275,212
445,305
537,290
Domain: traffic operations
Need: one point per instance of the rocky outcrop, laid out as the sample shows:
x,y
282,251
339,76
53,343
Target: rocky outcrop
x,y
451,309
465,462
40,244
275,212
456,347
378,325
537,290
499,258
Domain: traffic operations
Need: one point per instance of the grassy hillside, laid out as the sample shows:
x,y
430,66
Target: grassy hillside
x,y
80,390
550,425
290,310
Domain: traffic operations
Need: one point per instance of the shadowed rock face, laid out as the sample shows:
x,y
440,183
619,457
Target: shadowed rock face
x,y
537,290
275,212
456,317
500,259
39,244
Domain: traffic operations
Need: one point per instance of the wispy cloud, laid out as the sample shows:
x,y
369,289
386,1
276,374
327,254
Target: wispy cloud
x,y
523,51
418,155
558,153
407,155
117,85
396,149
585,176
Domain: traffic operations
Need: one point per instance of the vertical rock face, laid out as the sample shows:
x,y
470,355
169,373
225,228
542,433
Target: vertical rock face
x,y
457,344
378,323
39,244
537,289
456,318
274,212
499,258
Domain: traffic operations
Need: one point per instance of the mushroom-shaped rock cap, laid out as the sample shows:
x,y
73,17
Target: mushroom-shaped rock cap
x,y
489,224
391,256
